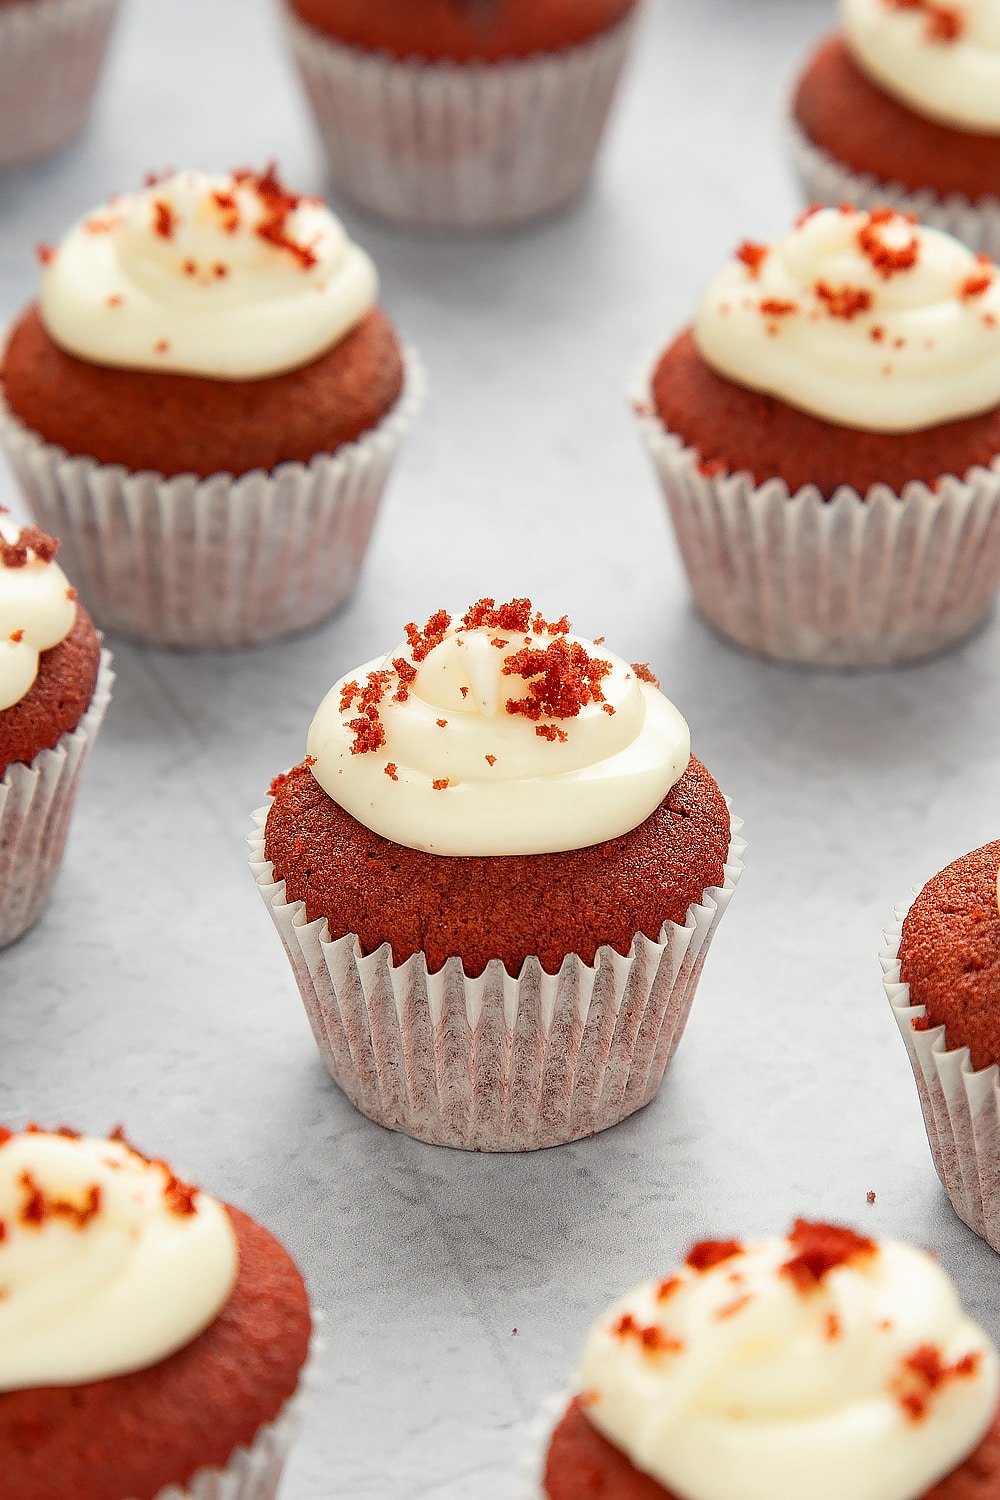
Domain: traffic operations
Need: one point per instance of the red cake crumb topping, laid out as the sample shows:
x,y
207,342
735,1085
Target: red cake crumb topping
x,y
279,204
563,679
645,673
652,1339
834,1327
115,299
441,785
753,256
181,1197
945,23
976,285
46,254
5,1136
15,554
392,770
845,302
732,1308
925,1372
38,1207
820,1249
491,760
666,1289
711,1253
888,260
774,307
423,642
164,219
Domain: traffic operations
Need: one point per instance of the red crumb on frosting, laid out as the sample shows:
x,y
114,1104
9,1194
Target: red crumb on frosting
x,y
552,733
845,302
31,539
164,219
645,673
666,1289
162,346
731,1309
278,204
46,254
563,679
753,256
925,1372
38,1207
652,1339
180,1197
518,616
820,1249
975,286
834,1327
708,1254
442,784
774,307
423,641
945,23
392,770
16,637
888,260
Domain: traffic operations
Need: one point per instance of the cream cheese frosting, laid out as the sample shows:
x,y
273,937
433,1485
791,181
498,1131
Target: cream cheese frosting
x,y
231,277
941,60
867,320
108,1263
37,607
498,734
822,1364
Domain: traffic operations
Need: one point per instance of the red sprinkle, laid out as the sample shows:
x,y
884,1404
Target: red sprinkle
x,y
820,1249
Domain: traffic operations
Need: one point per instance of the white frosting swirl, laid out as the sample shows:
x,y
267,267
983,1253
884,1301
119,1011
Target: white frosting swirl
x,y
103,1271
765,1389
228,277
866,320
506,784
942,60
37,611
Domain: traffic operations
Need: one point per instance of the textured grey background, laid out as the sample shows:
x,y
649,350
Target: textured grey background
x,y
155,991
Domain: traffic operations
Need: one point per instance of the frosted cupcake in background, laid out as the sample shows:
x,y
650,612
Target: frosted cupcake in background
x,y
903,107
153,1342
474,113
827,436
51,55
55,685
824,1364
497,875
205,403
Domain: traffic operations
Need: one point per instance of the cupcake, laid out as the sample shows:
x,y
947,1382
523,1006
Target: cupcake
x,y
205,403
51,55
942,972
827,436
902,107
497,874
824,1364
55,685
154,1341
472,113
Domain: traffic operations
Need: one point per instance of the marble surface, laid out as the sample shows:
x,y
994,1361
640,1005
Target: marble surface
x,y
457,1289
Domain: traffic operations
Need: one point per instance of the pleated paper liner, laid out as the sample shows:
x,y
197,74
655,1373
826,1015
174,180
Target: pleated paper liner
x,y
825,180
853,582
960,1103
497,1063
217,562
51,53
475,146
36,804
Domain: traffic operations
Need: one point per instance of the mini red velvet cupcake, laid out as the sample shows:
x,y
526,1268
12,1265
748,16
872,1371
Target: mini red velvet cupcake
x,y
497,875
205,404
942,976
827,437
471,113
153,1342
55,685
51,55
903,107
824,1364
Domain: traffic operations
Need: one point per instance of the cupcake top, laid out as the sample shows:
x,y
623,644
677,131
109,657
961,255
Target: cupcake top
x,y
498,733
38,607
227,276
866,320
822,1364
943,61
109,1263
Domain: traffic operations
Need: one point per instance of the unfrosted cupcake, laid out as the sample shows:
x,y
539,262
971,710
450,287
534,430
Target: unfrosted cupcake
x,y
51,55
55,686
205,403
153,1341
942,971
903,107
461,112
825,1364
497,874
827,436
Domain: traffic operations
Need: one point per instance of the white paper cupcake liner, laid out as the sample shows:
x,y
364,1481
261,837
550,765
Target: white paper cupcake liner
x,y
827,181
496,1063
51,54
222,561
254,1473
36,803
473,145
961,1104
850,582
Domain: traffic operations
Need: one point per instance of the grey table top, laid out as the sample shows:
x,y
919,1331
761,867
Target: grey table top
x,y
155,990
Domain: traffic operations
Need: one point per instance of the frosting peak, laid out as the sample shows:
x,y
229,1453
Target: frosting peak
x,y
499,733
108,1262
943,60
868,320
823,1364
37,606
232,277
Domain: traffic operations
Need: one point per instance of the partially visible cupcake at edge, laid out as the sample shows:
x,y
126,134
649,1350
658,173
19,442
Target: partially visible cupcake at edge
x,y
51,56
55,685
153,1341
497,874
827,436
942,973
205,403
902,107
823,1364
469,113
